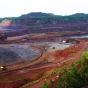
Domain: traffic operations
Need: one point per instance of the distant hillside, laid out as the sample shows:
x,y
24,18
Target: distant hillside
x,y
38,18
36,14
80,14
38,22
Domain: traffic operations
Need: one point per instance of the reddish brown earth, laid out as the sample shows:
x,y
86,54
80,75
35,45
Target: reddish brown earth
x,y
5,23
81,47
22,77
28,75
66,30
67,53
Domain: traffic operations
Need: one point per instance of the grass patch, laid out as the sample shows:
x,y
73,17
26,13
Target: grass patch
x,y
72,54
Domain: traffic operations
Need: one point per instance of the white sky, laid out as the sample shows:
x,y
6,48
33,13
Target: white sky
x,y
9,8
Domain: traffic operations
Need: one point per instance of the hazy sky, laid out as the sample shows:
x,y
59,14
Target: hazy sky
x,y
9,8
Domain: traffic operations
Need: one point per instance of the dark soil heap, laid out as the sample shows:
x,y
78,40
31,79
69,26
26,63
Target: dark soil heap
x,y
7,56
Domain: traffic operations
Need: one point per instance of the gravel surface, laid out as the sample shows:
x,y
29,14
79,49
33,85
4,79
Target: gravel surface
x,y
7,56
59,46
24,52
16,52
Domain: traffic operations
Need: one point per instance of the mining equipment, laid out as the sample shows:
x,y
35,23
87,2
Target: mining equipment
x,y
2,68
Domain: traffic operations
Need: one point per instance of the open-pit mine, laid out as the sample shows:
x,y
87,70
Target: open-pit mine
x,y
25,61
33,46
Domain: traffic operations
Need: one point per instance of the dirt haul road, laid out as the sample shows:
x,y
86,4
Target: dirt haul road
x,y
28,64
